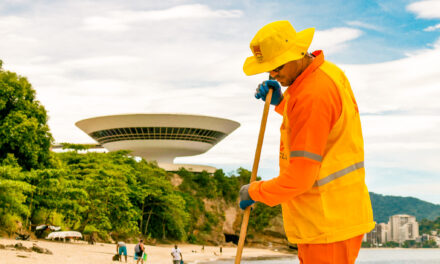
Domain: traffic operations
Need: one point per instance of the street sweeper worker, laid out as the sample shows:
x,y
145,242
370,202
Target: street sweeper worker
x,y
321,183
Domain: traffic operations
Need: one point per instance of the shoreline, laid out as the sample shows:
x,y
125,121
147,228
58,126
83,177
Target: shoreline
x,y
398,248
289,256
82,253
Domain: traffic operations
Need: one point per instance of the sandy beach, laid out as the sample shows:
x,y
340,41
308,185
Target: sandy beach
x,y
82,253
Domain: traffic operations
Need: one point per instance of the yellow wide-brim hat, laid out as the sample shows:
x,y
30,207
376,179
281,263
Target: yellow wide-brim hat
x,y
276,44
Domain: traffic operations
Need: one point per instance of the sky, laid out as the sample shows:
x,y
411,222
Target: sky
x,y
92,58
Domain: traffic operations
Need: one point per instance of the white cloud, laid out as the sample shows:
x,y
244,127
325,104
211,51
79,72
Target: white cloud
x,y
364,25
425,9
430,190
399,85
121,20
10,31
432,28
10,24
334,39
395,141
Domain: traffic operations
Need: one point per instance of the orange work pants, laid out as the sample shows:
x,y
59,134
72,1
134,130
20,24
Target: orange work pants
x,y
341,252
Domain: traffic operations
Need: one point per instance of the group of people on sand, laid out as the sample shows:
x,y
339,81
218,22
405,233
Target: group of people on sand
x,y
140,253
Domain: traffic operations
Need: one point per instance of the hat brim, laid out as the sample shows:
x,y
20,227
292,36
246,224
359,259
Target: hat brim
x,y
302,42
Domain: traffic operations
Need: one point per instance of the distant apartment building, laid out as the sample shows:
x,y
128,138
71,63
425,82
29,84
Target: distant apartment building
x,y
398,229
379,235
403,227
382,233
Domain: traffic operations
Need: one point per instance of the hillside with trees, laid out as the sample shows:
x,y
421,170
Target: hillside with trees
x,y
385,206
116,197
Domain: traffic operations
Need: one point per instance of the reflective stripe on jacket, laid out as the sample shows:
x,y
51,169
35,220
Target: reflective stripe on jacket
x,y
321,185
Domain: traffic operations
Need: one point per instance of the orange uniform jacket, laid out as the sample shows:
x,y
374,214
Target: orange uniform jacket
x,y
321,159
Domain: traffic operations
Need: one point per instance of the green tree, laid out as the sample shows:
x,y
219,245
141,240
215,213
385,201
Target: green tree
x,y
76,146
205,184
227,186
426,226
13,193
56,199
429,244
366,245
163,209
112,194
101,184
409,244
23,123
261,216
391,244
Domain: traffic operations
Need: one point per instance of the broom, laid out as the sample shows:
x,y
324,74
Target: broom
x,y
247,211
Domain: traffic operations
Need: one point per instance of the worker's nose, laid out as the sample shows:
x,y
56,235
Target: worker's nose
x,y
273,74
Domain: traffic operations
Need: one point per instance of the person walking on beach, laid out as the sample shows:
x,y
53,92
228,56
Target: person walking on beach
x,y
321,183
139,250
177,255
121,249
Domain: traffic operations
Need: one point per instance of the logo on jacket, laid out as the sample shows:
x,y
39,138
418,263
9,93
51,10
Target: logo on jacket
x,y
282,154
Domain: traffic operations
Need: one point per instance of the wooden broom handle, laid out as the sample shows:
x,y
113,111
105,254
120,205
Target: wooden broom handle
x,y
247,211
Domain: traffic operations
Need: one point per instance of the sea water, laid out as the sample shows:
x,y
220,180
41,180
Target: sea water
x,y
368,256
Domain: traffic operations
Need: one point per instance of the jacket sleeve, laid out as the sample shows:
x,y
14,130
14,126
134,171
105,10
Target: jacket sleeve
x,y
312,114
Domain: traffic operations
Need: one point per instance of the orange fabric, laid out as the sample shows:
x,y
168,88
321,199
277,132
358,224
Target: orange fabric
x,y
321,185
342,252
313,109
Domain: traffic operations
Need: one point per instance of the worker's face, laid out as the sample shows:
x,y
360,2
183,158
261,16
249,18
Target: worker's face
x,y
288,73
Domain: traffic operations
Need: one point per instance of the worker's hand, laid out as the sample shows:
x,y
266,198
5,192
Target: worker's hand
x,y
245,199
263,90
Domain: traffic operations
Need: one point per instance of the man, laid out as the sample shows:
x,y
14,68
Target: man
x,y
121,249
139,251
177,255
321,186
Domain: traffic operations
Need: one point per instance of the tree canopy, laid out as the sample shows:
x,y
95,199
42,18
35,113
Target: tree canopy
x,y
116,196
24,132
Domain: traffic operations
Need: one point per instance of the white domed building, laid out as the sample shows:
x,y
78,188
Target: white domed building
x,y
160,137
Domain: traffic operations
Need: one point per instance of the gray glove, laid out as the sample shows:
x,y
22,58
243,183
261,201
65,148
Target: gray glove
x,y
245,198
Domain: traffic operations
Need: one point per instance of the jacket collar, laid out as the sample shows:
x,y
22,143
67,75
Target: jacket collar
x,y
318,60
